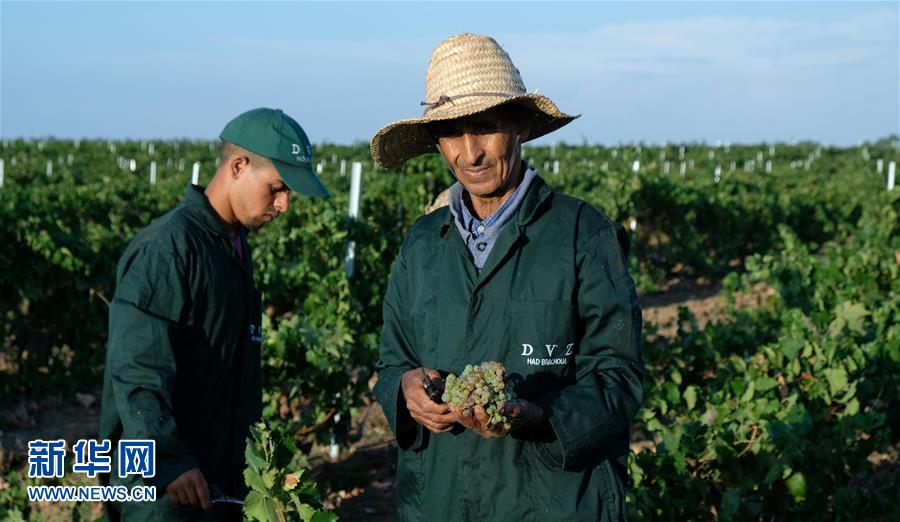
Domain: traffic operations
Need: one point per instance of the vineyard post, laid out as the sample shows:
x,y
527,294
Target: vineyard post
x,y
1,172
152,171
555,167
768,166
195,176
635,167
666,167
682,169
879,166
892,173
353,212
343,167
49,168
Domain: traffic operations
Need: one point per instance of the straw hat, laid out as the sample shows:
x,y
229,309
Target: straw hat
x,y
467,74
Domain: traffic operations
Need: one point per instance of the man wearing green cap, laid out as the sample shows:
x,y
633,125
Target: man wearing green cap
x,y
183,362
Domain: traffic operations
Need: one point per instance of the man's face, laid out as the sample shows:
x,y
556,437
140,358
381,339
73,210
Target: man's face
x,y
260,194
480,149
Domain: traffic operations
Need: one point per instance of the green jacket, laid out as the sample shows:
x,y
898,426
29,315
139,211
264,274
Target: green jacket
x,y
183,363
556,305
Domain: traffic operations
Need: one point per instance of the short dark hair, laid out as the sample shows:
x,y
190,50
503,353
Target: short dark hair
x,y
230,149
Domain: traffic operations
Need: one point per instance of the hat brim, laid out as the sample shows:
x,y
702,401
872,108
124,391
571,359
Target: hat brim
x,y
400,141
301,179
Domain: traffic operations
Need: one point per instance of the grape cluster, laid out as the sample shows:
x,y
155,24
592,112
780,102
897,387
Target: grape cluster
x,y
483,384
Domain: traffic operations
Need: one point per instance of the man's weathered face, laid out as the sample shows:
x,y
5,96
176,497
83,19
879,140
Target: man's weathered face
x,y
260,194
480,149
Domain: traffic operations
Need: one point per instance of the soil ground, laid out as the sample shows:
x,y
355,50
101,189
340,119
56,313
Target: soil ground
x,y
360,481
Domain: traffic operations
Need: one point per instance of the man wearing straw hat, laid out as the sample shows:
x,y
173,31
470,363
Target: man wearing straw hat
x,y
509,271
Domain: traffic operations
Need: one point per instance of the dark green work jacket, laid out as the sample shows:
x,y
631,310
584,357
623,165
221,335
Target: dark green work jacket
x,y
183,364
556,305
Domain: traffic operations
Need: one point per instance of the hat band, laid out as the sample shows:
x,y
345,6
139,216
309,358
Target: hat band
x,y
449,99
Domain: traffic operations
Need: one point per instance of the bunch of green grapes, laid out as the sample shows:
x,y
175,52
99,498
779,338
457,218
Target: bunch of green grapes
x,y
483,385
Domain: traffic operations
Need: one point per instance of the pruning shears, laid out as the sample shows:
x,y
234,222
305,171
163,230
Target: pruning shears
x,y
430,388
216,495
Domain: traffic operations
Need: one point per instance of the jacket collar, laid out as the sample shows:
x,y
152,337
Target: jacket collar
x,y
532,201
538,194
198,207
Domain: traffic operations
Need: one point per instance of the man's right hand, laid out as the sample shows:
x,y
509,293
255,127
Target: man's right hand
x,y
436,417
189,489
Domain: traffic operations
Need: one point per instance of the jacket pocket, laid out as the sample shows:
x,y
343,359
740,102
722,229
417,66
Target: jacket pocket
x,y
409,484
593,494
560,495
614,492
543,339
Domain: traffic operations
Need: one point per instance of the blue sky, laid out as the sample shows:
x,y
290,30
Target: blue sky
x,y
639,71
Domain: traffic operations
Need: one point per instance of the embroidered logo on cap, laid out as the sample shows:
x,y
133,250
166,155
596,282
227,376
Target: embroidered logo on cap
x,y
297,151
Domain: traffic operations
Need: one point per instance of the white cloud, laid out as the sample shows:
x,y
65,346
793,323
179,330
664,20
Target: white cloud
x,y
726,43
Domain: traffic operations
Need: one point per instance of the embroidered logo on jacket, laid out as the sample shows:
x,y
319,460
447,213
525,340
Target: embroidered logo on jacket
x,y
562,354
255,333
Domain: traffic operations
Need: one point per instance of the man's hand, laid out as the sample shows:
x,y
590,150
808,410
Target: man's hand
x,y
436,417
520,413
189,489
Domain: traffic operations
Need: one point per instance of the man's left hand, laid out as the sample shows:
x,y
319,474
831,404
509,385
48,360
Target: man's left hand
x,y
521,414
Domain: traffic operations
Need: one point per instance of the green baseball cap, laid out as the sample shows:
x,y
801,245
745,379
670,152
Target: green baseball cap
x,y
274,135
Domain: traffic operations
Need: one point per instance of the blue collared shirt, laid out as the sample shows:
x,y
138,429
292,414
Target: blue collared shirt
x,y
480,235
